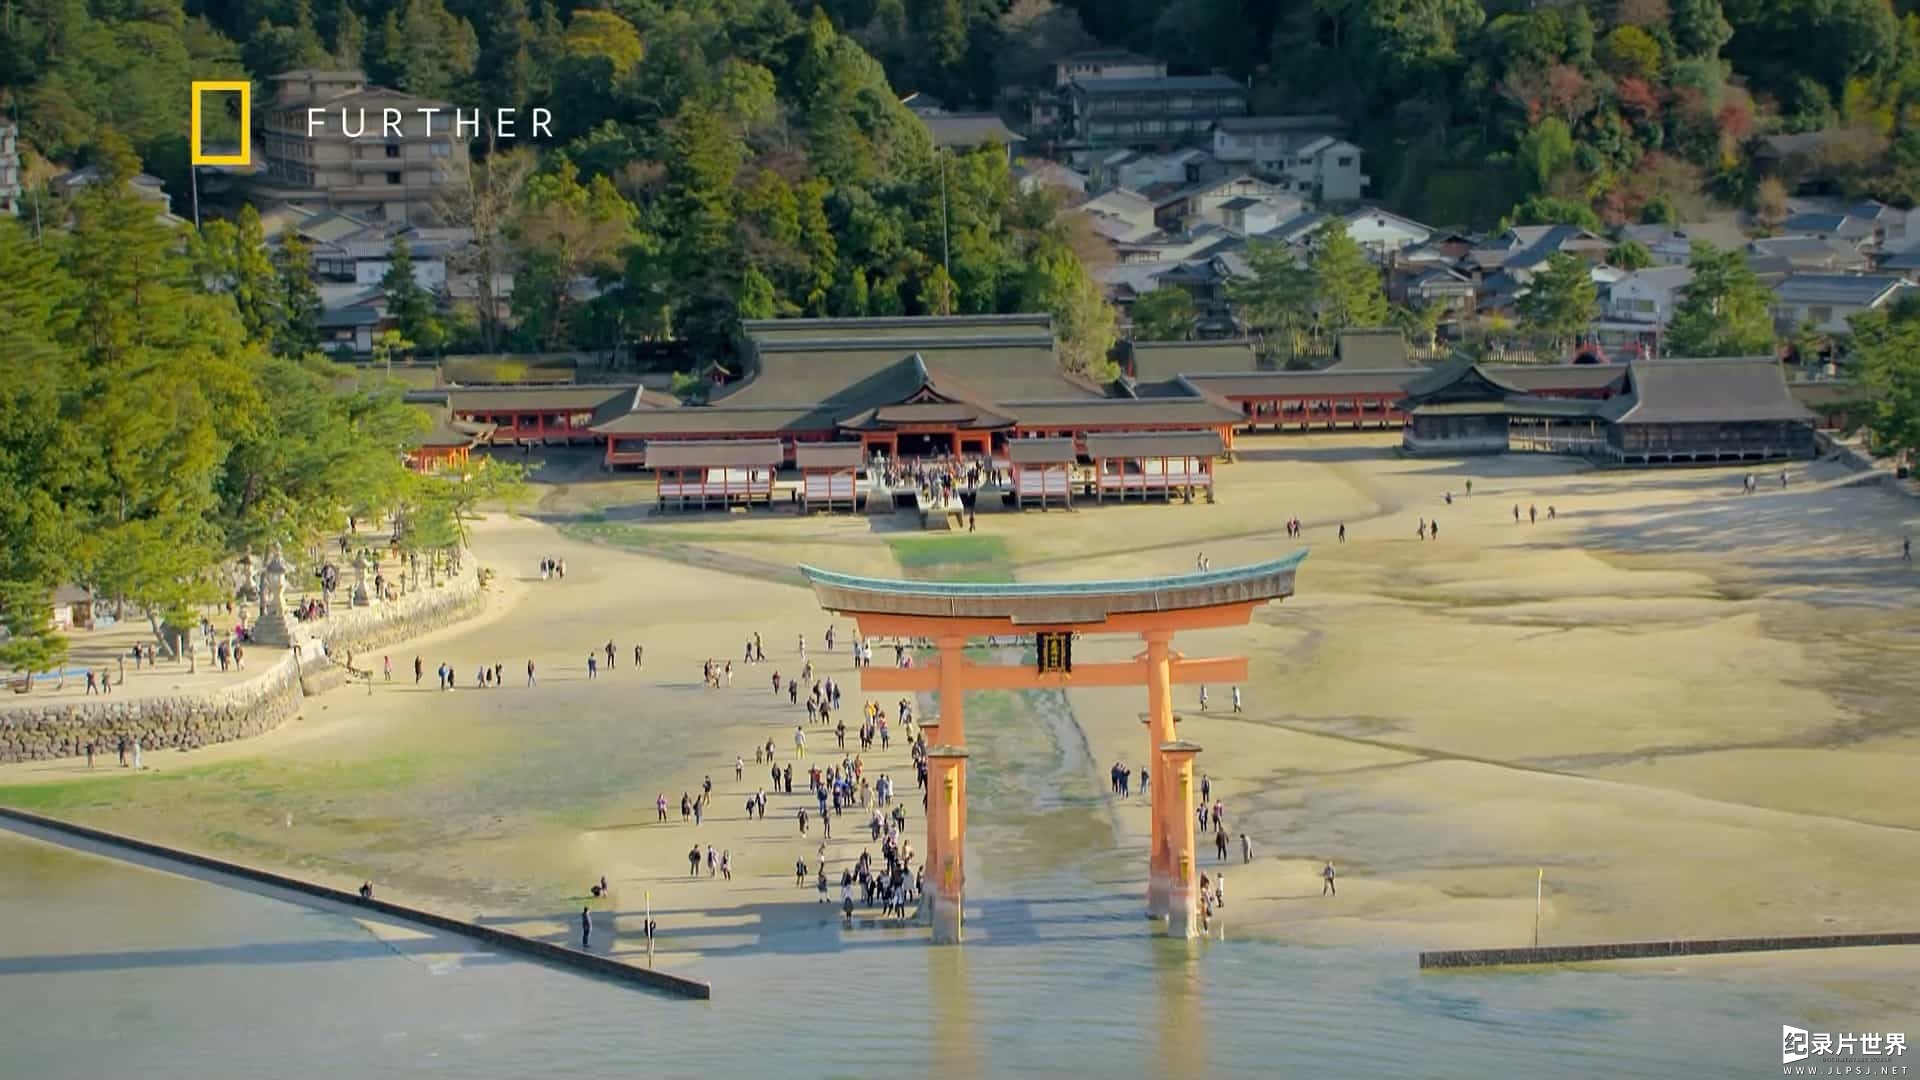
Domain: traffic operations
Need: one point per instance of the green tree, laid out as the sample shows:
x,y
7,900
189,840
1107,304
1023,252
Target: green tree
x,y
1630,255
1058,284
1165,314
757,299
32,645
1886,350
412,308
1723,311
298,332
1630,53
1545,151
1346,284
1277,295
1700,28
938,294
1561,300
565,231
235,260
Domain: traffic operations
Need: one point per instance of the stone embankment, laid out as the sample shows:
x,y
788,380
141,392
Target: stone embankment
x,y
260,703
39,731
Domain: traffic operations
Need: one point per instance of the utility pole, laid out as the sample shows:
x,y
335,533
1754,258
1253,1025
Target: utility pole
x,y
946,252
193,182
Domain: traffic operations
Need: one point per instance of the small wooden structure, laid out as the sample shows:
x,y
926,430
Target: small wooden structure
x,y
72,608
708,473
829,475
1042,471
448,445
1154,464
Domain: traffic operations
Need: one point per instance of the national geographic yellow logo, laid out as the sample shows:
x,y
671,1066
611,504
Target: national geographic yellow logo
x,y
200,90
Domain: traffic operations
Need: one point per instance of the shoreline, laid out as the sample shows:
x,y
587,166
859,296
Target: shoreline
x,y
1634,698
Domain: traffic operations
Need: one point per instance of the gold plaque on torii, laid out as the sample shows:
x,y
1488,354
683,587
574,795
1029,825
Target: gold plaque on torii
x,y
1055,652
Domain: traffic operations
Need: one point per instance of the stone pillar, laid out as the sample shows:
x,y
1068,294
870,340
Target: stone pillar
x,y
1183,893
946,872
1160,732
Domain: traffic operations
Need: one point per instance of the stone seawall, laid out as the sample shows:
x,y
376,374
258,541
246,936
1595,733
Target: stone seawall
x,y
37,732
590,963
34,731
421,610
1647,950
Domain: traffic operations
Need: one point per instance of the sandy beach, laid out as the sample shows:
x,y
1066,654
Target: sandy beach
x,y
1692,709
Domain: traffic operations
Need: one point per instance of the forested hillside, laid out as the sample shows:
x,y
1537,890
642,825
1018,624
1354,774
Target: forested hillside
x,y
1629,107
712,159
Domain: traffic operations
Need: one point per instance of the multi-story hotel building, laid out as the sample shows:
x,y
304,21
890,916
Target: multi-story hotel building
x,y
341,159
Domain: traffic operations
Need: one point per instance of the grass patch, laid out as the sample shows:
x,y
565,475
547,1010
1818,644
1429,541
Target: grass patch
x,y
953,558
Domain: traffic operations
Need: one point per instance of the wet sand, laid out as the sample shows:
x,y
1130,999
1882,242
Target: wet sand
x,y
1692,708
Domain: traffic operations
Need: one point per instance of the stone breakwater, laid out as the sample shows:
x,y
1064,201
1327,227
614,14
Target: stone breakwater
x,y
31,731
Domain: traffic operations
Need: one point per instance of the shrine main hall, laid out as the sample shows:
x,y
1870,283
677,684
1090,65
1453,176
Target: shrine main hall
x,y
831,395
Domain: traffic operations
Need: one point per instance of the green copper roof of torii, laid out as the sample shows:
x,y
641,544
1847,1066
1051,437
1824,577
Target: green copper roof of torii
x,y
1029,602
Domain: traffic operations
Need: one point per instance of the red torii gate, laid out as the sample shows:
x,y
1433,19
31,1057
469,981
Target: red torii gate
x,y
1154,608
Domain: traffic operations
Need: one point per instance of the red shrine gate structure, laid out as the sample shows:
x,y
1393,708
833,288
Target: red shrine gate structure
x,y
1155,609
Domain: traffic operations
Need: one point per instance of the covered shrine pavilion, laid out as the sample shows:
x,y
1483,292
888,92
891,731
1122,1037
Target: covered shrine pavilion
x,y
703,474
950,614
1655,412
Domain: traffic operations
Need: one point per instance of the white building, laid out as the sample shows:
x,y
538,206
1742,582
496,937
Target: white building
x,y
1326,170
1106,64
1827,301
1268,142
1647,297
1382,233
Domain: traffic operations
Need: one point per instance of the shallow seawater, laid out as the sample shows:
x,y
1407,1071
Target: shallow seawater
x,y
108,968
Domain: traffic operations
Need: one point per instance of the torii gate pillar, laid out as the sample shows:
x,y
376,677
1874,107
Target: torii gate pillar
x,y
946,887
1183,893
1160,867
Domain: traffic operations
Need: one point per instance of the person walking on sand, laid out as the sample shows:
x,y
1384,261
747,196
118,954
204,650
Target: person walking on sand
x,y
1469,488
693,861
660,806
713,862
1326,878
418,671
799,742
530,679
726,865
1516,513
386,667
593,665
1236,699
1203,697
586,927
1246,849
137,765
1533,515
739,767
1906,549
1343,532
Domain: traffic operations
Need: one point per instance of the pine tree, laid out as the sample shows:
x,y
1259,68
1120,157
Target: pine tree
x,y
409,305
299,299
1347,283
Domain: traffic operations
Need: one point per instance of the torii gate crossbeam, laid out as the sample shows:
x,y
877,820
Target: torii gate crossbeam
x,y
1154,608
